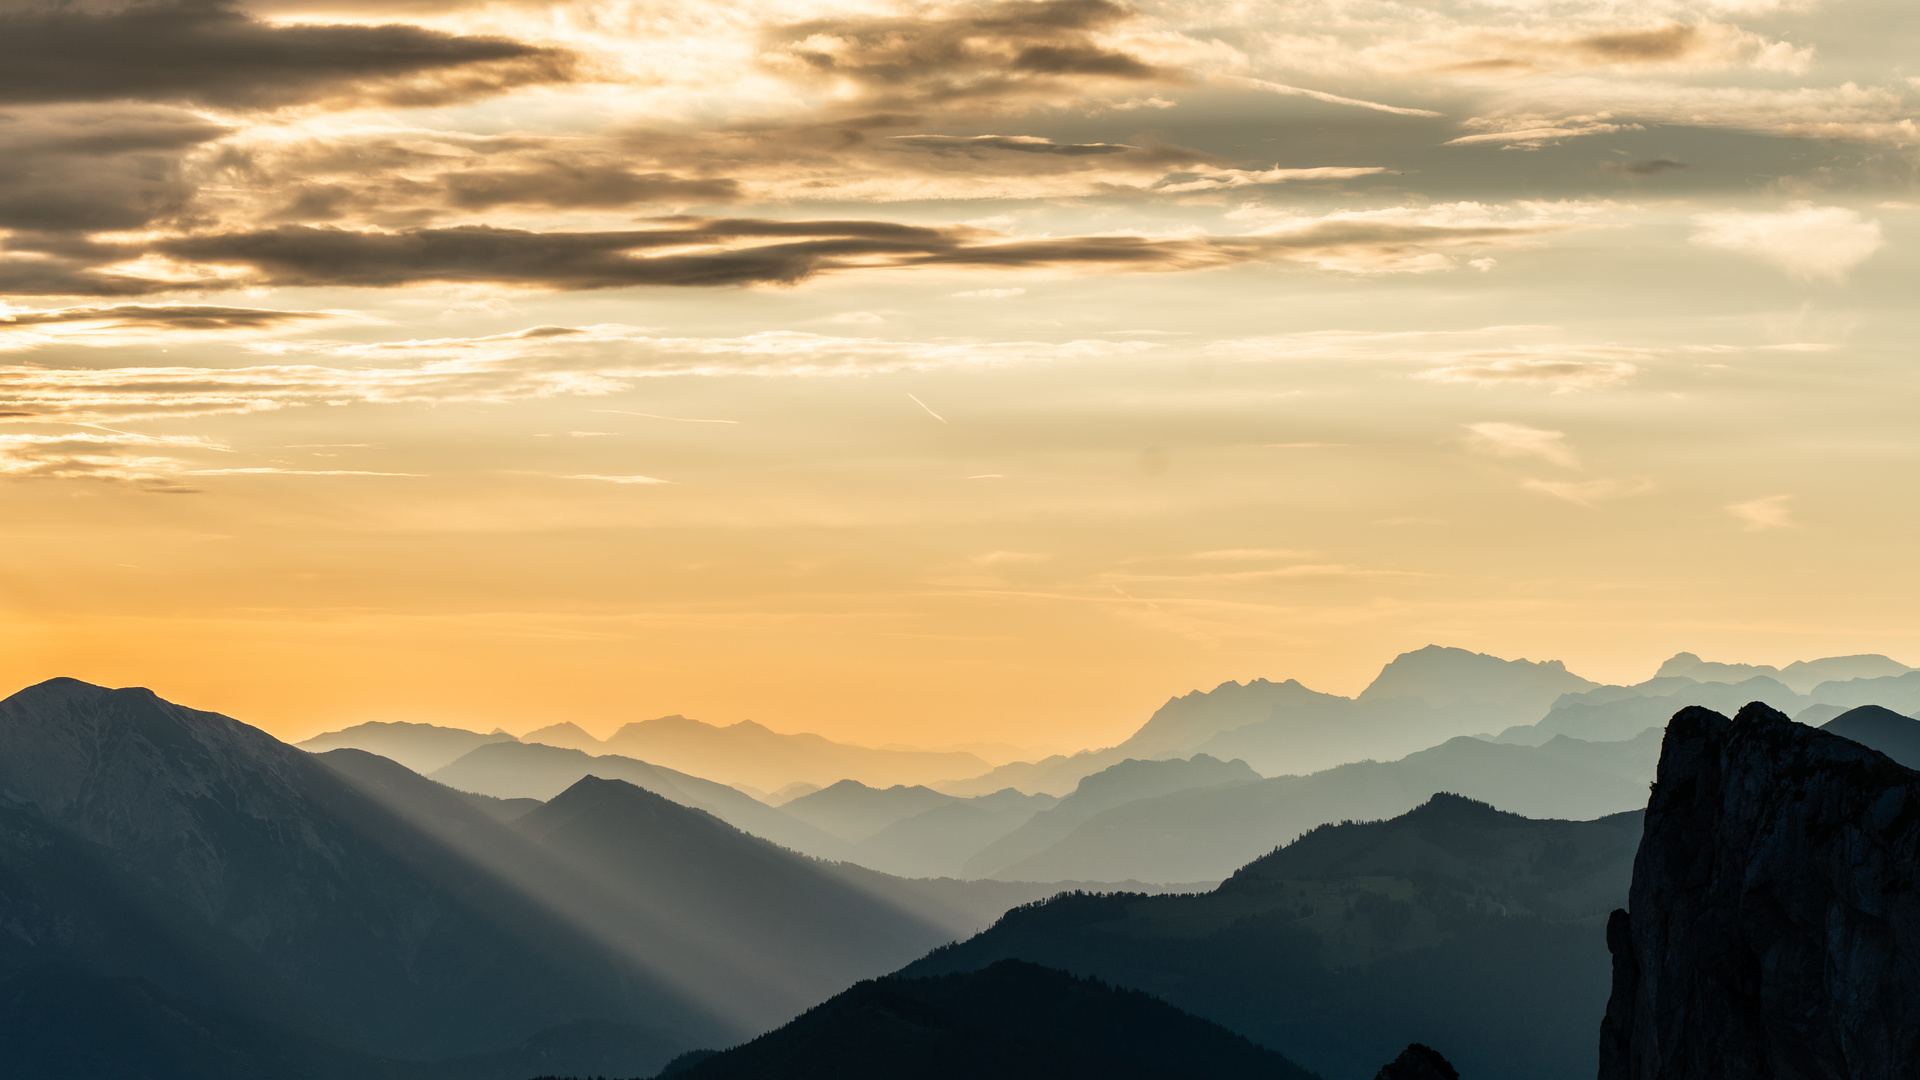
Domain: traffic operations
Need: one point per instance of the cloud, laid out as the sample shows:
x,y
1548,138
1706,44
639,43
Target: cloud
x,y
991,294
1763,514
536,363
114,457
210,52
1647,168
1570,369
718,252
567,185
1668,44
1496,439
96,167
1530,131
1806,241
1588,492
1020,144
620,479
979,53
127,324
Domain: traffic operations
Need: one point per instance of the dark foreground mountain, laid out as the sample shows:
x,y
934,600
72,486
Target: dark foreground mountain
x,y
1775,924
246,908
1452,925
1010,1021
1884,730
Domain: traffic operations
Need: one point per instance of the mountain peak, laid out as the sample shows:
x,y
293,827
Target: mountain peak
x,y
1442,676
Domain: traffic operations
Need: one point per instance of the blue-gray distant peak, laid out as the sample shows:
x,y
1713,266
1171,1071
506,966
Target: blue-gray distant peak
x,y
1443,676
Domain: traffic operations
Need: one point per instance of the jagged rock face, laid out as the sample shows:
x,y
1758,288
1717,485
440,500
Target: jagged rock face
x,y
1775,924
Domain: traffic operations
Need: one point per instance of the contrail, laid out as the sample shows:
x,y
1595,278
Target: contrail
x,y
1322,95
930,412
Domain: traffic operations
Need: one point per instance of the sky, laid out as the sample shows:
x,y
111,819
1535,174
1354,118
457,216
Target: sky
x,y
927,374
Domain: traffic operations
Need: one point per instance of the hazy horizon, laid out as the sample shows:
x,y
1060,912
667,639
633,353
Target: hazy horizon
x,y
930,374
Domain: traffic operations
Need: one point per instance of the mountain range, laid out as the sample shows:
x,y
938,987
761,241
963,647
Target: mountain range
x,y
192,878
1454,924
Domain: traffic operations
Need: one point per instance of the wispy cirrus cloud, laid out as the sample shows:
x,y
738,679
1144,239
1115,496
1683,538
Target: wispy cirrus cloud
x,y
535,363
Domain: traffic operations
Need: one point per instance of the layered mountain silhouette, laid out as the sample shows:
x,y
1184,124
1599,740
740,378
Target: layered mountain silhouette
x,y
1801,676
532,771
1419,699
1204,833
213,894
1454,924
1118,785
1011,1021
1772,918
755,756
420,747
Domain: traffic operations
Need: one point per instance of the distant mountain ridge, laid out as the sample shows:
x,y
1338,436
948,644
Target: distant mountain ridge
x,y
1452,924
197,884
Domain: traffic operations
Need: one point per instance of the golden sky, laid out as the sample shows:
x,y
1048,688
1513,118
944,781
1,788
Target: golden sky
x,y
938,373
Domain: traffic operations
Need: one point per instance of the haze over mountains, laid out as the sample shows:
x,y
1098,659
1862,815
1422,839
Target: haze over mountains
x,y
1211,778
230,899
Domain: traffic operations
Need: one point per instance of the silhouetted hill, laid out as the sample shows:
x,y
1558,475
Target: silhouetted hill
x,y
420,747
853,811
1884,730
1010,1021
1204,833
533,771
748,753
1773,909
1127,782
1454,925
567,735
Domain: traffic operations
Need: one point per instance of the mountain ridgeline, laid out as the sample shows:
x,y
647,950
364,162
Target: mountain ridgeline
x,y
1329,949
252,907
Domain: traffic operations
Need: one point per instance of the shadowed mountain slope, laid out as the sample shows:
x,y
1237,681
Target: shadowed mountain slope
x,y
938,842
533,771
246,876
1204,833
420,747
1884,730
1127,782
1011,1021
853,811
1453,925
1773,915
204,887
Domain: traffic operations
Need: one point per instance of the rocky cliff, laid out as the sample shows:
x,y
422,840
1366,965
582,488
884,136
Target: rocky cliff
x,y
1775,924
